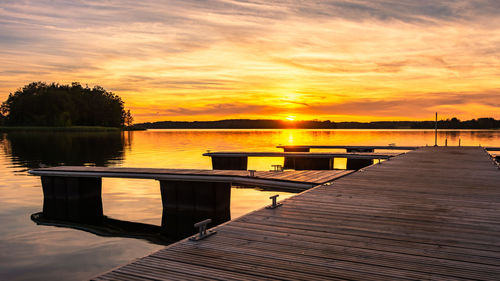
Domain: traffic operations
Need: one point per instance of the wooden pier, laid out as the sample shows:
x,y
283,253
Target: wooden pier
x,y
72,195
349,148
298,160
430,214
303,155
289,180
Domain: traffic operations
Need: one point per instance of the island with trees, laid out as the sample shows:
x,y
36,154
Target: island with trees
x,y
40,104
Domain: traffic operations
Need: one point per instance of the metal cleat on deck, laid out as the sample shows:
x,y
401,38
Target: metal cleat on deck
x,y
274,204
251,173
203,232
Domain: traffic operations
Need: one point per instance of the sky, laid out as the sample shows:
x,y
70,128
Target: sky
x,y
339,60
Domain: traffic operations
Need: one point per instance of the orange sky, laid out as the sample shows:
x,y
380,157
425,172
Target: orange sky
x,y
339,60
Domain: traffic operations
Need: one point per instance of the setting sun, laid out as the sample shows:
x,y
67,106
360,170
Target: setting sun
x,y
290,118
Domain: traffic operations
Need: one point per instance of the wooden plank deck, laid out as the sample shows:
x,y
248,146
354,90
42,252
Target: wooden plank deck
x,y
296,180
429,214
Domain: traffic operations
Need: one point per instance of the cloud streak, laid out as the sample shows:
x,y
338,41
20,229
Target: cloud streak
x,y
347,59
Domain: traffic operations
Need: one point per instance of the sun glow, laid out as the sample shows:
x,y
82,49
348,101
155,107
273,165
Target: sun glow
x,y
235,61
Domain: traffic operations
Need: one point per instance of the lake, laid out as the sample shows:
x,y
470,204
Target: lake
x,y
40,252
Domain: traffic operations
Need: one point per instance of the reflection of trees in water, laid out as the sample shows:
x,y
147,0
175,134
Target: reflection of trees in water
x,y
35,149
2,137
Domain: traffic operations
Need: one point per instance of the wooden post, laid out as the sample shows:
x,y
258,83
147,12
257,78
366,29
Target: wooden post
x,y
360,150
289,162
312,163
188,202
229,163
72,199
356,164
436,131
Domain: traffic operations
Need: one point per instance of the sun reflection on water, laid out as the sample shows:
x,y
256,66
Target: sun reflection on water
x,y
38,249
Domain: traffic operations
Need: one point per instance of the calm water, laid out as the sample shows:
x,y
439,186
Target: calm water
x,y
29,251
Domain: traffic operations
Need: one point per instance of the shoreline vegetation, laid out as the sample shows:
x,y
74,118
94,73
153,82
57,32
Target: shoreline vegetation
x,y
68,129
65,129
454,123
63,107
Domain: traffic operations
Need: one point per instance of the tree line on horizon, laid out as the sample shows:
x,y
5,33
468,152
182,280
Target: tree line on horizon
x,y
453,123
42,104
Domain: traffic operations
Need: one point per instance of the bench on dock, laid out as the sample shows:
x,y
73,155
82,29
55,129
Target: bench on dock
x,y
296,160
188,196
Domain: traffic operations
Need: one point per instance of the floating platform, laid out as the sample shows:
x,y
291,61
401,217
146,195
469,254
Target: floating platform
x,y
72,195
296,180
430,214
303,155
347,147
298,160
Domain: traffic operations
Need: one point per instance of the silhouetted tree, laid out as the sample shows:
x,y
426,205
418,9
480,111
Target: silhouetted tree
x,y
129,119
41,104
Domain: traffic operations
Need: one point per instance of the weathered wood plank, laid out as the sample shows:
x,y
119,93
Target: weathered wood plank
x,y
317,240
327,260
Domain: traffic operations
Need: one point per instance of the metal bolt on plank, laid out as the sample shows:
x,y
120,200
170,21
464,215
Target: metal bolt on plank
x,y
202,230
274,204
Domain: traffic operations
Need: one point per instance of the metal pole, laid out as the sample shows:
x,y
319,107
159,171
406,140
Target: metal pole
x,y
436,131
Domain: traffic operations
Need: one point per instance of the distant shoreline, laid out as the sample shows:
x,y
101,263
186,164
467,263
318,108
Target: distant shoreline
x,y
246,124
481,123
